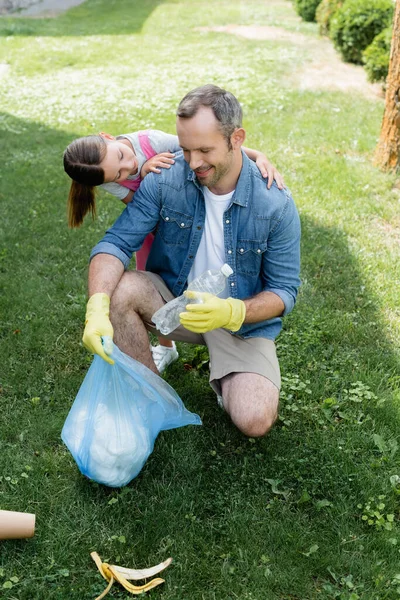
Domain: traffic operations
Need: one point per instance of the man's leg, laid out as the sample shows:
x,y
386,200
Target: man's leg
x,y
251,401
133,303
245,371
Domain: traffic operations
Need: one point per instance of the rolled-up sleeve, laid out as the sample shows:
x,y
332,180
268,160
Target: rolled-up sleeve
x,y
281,261
107,248
138,219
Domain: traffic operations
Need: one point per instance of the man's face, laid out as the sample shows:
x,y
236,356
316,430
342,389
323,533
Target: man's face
x,y
204,147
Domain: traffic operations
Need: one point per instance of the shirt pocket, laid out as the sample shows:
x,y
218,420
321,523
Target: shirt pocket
x,y
249,255
174,226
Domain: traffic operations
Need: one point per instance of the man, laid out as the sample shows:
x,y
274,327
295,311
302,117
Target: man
x,y
212,207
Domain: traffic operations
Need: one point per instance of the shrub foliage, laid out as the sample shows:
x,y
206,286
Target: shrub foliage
x,y
356,23
324,14
376,56
306,9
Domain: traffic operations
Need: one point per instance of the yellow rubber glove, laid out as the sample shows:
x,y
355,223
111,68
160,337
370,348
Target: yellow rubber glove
x,y
212,313
97,325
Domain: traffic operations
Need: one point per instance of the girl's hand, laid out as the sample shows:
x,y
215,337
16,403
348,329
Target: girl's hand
x,y
164,160
267,169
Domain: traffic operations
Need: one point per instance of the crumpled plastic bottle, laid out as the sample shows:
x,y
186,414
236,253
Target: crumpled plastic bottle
x,y
166,318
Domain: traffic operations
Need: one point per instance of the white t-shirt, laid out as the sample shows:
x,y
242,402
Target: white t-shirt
x,y
211,251
159,141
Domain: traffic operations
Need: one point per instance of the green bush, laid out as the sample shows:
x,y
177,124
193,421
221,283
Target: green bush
x,y
306,9
325,13
376,56
356,23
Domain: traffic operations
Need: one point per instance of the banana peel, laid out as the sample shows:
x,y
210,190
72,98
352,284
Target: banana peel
x,y
122,575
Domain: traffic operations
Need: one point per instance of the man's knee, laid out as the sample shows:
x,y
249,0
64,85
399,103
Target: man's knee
x,y
130,291
258,424
251,401
257,416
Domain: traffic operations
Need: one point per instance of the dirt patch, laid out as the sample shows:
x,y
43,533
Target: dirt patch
x,y
329,72
38,8
260,32
10,6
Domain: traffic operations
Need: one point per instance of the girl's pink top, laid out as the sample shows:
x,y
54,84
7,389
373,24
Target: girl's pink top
x,y
134,184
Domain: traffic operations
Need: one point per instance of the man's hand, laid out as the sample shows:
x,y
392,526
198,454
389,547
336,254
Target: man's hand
x,y
212,313
98,325
164,160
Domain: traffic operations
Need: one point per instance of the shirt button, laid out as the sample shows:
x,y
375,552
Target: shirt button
x,y
198,226
258,250
167,218
179,282
241,250
227,221
232,284
191,256
182,224
229,251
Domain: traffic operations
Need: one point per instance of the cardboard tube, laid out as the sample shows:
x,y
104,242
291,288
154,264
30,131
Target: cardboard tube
x,y
16,525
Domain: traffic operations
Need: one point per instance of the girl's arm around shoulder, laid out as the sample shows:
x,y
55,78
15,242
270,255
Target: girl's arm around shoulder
x,y
164,160
265,167
165,144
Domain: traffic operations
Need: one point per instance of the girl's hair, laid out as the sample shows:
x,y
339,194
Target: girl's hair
x,y
82,160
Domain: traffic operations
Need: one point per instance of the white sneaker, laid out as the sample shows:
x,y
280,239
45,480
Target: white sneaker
x,y
164,356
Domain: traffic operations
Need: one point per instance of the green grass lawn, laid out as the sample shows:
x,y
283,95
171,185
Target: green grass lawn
x,y
285,517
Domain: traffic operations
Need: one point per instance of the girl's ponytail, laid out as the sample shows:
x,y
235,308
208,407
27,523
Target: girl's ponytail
x,y
82,160
81,200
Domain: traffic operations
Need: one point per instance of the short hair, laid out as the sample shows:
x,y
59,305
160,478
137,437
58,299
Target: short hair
x,y
225,106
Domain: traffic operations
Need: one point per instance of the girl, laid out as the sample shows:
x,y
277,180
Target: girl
x,y
118,165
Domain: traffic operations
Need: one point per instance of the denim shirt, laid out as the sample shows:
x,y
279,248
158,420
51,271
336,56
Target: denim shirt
x,y
261,235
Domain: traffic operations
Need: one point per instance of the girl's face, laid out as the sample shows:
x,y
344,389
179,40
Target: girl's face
x,y
119,162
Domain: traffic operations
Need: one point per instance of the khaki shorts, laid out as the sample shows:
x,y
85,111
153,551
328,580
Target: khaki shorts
x,y
228,353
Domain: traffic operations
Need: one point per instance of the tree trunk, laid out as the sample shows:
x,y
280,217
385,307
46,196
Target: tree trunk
x,y
388,151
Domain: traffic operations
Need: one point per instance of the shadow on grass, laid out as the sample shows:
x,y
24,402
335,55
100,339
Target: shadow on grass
x,y
93,17
227,508
337,312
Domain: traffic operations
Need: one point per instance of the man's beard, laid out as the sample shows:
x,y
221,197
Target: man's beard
x,y
219,171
